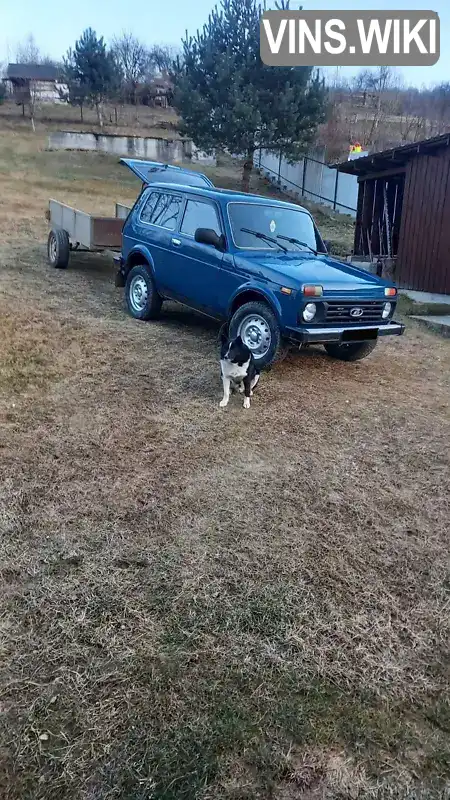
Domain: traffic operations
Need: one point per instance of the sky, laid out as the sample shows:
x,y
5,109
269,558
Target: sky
x,y
56,26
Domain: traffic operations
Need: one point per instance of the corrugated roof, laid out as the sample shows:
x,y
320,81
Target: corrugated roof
x,y
396,156
33,72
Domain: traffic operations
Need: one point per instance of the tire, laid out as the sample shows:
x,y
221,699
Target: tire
x,y
253,320
143,301
58,248
354,351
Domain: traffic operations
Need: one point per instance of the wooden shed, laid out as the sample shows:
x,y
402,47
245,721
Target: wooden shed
x,y
403,213
41,80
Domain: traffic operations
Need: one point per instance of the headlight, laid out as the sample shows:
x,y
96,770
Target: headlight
x,y
387,310
309,312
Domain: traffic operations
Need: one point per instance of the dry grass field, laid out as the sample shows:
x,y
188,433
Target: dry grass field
x,y
128,120
198,603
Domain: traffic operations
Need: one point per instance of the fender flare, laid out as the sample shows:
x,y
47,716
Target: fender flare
x,y
265,294
144,253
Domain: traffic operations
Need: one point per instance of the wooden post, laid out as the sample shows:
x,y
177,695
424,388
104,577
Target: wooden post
x,y
335,190
358,246
367,217
305,164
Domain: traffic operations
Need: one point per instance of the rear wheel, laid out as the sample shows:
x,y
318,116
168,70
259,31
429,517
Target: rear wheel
x,y
258,328
143,300
58,248
353,351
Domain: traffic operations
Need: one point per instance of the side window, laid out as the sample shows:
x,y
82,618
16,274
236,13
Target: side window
x,y
162,209
167,210
200,215
149,207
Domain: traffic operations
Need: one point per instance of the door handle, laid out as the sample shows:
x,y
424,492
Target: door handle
x,y
176,242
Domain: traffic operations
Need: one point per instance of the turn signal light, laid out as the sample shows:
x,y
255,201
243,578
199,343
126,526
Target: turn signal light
x,y
313,291
390,291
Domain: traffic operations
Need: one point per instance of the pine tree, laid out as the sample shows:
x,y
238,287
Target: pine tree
x,y
90,72
75,92
229,99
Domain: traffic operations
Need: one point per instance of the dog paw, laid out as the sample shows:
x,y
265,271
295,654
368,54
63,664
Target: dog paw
x,y
223,403
246,402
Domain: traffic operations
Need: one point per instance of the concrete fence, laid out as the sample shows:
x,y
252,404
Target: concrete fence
x,y
146,147
311,178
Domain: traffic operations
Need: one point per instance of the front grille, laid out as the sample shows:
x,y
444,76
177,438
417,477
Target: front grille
x,y
337,312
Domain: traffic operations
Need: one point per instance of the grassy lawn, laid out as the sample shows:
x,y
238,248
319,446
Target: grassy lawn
x,y
198,603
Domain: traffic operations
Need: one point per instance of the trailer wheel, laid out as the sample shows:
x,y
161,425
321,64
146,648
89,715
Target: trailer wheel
x,y
58,248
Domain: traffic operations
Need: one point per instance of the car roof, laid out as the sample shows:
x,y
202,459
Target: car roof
x,y
229,195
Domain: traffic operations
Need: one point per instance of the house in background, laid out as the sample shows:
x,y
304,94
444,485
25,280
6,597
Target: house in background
x,y
40,80
161,90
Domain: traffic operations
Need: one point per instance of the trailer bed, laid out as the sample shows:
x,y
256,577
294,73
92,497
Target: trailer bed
x,y
85,230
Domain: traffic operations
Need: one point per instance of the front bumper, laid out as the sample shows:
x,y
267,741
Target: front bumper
x,y
342,334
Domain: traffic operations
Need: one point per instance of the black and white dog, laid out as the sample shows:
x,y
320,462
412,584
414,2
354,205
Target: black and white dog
x,y
239,370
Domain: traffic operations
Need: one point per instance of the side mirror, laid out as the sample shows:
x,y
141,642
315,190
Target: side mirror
x,y
208,236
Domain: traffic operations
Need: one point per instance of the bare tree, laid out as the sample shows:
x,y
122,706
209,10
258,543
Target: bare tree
x,y
439,108
163,55
28,52
381,85
133,60
413,122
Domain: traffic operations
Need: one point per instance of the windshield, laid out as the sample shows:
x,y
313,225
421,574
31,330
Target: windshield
x,y
273,222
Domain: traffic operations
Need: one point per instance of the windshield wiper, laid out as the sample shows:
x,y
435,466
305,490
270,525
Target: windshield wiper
x,y
297,241
265,238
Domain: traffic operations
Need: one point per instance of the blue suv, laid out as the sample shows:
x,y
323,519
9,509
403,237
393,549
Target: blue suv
x,y
256,263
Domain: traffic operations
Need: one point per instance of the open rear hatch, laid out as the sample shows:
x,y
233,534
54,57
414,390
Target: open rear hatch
x,y
153,172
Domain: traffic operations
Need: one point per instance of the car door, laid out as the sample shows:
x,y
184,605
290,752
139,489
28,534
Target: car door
x,y
155,225
196,267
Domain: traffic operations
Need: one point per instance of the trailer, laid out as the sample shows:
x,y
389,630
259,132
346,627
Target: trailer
x,y
72,229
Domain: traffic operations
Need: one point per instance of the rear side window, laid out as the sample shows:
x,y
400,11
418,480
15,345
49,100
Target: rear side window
x,y
200,215
162,209
149,207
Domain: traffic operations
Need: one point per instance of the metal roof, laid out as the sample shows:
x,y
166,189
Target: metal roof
x,y
33,72
395,157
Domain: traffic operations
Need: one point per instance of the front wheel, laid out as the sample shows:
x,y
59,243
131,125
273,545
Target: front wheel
x,y
353,351
258,328
143,300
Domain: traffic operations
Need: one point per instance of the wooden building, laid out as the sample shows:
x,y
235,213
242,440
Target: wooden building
x,y
403,213
38,80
